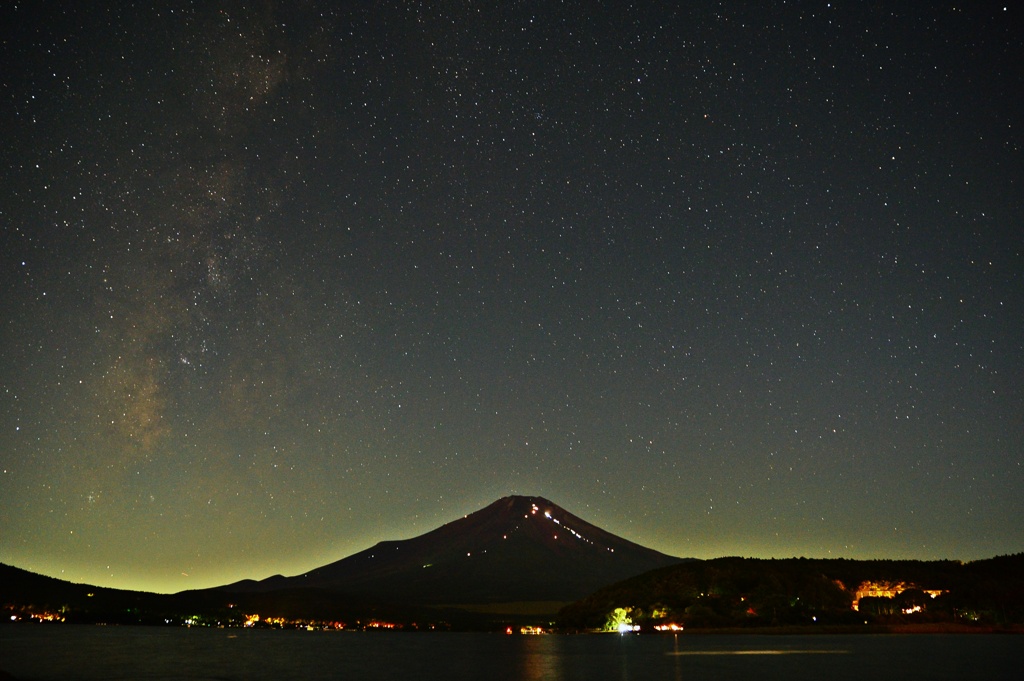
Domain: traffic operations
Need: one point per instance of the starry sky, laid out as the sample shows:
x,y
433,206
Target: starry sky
x,y
284,279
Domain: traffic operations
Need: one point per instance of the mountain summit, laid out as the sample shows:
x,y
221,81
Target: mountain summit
x,y
516,549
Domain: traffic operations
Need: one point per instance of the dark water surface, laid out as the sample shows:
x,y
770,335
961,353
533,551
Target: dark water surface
x,y
68,653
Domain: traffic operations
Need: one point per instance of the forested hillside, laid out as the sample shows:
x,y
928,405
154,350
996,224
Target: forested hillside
x,y
727,592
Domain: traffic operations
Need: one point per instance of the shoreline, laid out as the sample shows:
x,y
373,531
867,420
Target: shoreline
x,y
784,630
860,630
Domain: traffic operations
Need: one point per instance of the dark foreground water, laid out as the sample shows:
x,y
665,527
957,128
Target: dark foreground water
x,y
109,653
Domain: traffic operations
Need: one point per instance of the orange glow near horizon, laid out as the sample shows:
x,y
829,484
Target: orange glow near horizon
x,y
889,590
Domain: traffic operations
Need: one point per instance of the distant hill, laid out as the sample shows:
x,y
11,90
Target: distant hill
x,y
517,549
729,592
520,556
24,592
28,596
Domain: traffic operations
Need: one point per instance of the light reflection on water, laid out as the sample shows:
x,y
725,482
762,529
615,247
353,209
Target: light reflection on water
x,y
79,653
541,658
759,652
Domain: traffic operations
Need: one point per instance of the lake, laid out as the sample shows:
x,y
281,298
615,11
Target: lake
x,y
86,653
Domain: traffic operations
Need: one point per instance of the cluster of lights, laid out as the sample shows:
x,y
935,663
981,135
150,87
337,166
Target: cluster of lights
x,y
281,623
248,621
547,514
39,617
619,620
890,590
376,624
527,631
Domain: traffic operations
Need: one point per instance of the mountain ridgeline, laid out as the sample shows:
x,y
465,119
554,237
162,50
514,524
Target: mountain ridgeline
x,y
517,549
752,592
526,560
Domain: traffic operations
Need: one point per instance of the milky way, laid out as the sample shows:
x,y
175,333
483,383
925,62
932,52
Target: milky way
x,y
282,281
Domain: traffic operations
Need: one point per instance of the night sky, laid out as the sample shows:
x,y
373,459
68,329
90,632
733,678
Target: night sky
x,y
284,279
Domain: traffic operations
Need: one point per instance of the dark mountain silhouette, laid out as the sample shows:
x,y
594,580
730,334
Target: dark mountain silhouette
x,y
728,592
27,596
517,549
